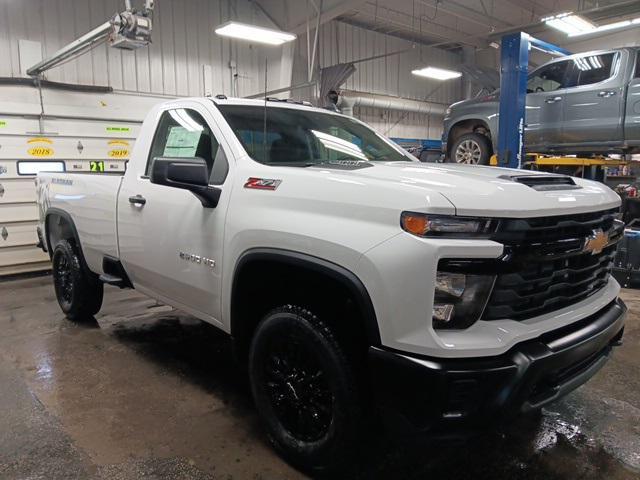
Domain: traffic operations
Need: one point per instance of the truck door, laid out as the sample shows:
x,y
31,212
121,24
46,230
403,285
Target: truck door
x,y
632,111
593,103
543,117
170,245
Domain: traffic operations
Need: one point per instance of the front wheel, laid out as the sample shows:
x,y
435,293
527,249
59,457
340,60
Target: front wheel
x,y
79,292
471,149
304,389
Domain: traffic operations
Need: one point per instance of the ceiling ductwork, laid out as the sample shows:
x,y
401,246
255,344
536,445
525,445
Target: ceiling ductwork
x,y
350,100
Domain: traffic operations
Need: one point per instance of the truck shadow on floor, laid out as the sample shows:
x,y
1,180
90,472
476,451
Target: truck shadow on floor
x,y
541,446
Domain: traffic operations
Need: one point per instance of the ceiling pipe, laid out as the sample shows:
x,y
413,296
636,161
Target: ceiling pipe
x,y
351,99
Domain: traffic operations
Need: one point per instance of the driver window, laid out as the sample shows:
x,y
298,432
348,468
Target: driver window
x,y
548,79
183,133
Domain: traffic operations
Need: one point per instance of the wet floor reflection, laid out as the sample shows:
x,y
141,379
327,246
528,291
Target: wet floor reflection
x,y
144,383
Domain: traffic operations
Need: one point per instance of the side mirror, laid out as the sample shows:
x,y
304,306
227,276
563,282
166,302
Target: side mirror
x,y
192,175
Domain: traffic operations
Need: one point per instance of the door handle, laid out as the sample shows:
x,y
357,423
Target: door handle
x,y
137,200
553,100
606,93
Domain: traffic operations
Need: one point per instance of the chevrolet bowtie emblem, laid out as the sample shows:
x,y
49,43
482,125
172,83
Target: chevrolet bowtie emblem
x,y
596,242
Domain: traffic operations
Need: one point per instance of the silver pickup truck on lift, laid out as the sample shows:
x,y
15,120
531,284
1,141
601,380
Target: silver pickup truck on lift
x,y
579,104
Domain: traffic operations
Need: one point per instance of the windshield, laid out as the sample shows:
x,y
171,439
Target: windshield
x,y
304,138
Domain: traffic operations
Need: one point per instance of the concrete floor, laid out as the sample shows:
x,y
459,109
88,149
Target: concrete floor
x,y
146,392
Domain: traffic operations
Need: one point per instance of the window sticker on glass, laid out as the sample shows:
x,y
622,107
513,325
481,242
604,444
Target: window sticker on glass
x,y
181,142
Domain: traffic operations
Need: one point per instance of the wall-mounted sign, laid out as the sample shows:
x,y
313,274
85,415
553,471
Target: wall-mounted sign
x,y
40,140
96,166
118,142
118,129
119,153
40,152
3,123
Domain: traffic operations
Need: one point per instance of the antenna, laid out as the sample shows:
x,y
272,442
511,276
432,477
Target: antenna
x,y
264,132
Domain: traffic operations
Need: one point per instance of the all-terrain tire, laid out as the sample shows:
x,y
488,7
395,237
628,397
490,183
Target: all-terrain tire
x,y
304,389
79,291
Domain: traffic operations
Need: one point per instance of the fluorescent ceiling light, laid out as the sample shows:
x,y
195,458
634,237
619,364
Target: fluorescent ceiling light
x,y
437,73
253,33
570,24
610,26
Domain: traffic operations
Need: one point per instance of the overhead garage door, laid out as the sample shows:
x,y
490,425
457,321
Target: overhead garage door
x,y
82,139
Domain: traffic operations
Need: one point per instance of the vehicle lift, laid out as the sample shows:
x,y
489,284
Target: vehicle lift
x,y
514,69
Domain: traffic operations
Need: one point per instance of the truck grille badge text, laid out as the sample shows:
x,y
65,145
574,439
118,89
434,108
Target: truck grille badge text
x,y
190,257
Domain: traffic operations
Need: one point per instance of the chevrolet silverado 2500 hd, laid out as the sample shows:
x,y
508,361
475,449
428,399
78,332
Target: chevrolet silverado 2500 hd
x,y
580,104
349,275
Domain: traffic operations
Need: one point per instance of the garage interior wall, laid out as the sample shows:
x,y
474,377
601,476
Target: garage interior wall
x,y
389,75
186,58
184,46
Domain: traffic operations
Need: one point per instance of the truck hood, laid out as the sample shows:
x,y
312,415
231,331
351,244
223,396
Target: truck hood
x,y
486,191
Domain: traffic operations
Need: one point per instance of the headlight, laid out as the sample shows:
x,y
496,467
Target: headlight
x,y
459,299
450,226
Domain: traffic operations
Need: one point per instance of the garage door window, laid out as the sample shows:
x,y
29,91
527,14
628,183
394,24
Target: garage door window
x,y
183,133
32,168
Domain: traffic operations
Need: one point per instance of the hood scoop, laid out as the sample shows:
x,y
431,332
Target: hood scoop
x,y
544,183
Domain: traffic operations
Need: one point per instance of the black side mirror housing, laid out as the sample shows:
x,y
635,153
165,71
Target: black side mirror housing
x,y
192,175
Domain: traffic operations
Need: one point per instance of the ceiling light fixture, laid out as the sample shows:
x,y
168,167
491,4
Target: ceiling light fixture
x,y
570,24
436,73
610,26
253,33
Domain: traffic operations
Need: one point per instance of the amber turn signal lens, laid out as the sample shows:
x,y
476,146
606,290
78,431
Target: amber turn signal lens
x,y
416,224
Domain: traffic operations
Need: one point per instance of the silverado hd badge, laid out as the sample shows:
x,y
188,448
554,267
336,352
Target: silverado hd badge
x,y
190,257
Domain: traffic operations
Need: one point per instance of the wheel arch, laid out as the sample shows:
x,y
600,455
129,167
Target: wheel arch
x,y
302,264
58,225
468,125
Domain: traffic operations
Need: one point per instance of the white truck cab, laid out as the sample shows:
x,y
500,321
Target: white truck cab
x,y
349,275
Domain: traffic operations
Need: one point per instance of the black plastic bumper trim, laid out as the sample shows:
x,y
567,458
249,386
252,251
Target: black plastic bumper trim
x,y
417,393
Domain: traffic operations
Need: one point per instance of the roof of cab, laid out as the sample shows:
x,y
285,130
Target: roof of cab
x,y
271,102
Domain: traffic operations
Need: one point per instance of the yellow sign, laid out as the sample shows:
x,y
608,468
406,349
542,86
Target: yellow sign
x,y
40,140
118,142
40,151
119,153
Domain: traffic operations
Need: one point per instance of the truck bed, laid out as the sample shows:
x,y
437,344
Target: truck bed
x,y
91,200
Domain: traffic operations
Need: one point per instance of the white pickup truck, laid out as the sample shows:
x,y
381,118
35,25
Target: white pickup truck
x,y
350,277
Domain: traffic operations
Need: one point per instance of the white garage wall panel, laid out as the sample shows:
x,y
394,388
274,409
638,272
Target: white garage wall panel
x,y
79,128
390,75
183,42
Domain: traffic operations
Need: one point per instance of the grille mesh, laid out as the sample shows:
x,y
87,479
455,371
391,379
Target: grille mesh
x,y
546,268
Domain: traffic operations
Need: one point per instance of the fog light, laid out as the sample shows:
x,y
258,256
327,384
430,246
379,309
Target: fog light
x,y
442,312
459,299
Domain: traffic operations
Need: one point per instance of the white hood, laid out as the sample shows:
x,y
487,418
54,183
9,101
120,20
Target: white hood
x,y
477,190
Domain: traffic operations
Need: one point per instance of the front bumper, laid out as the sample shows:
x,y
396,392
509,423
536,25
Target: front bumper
x,y
418,394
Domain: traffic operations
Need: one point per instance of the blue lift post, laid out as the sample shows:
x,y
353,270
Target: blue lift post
x,y
514,66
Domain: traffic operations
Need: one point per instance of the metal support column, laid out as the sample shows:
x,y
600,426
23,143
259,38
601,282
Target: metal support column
x,y
514,64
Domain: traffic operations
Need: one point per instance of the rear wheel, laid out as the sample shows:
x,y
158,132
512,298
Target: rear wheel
x,y
79,292
304,389
471,149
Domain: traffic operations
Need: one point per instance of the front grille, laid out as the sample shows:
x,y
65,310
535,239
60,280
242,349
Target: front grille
x,y
545,267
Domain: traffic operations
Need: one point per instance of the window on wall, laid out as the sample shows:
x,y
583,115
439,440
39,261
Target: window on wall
x,y
33,168
183,133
